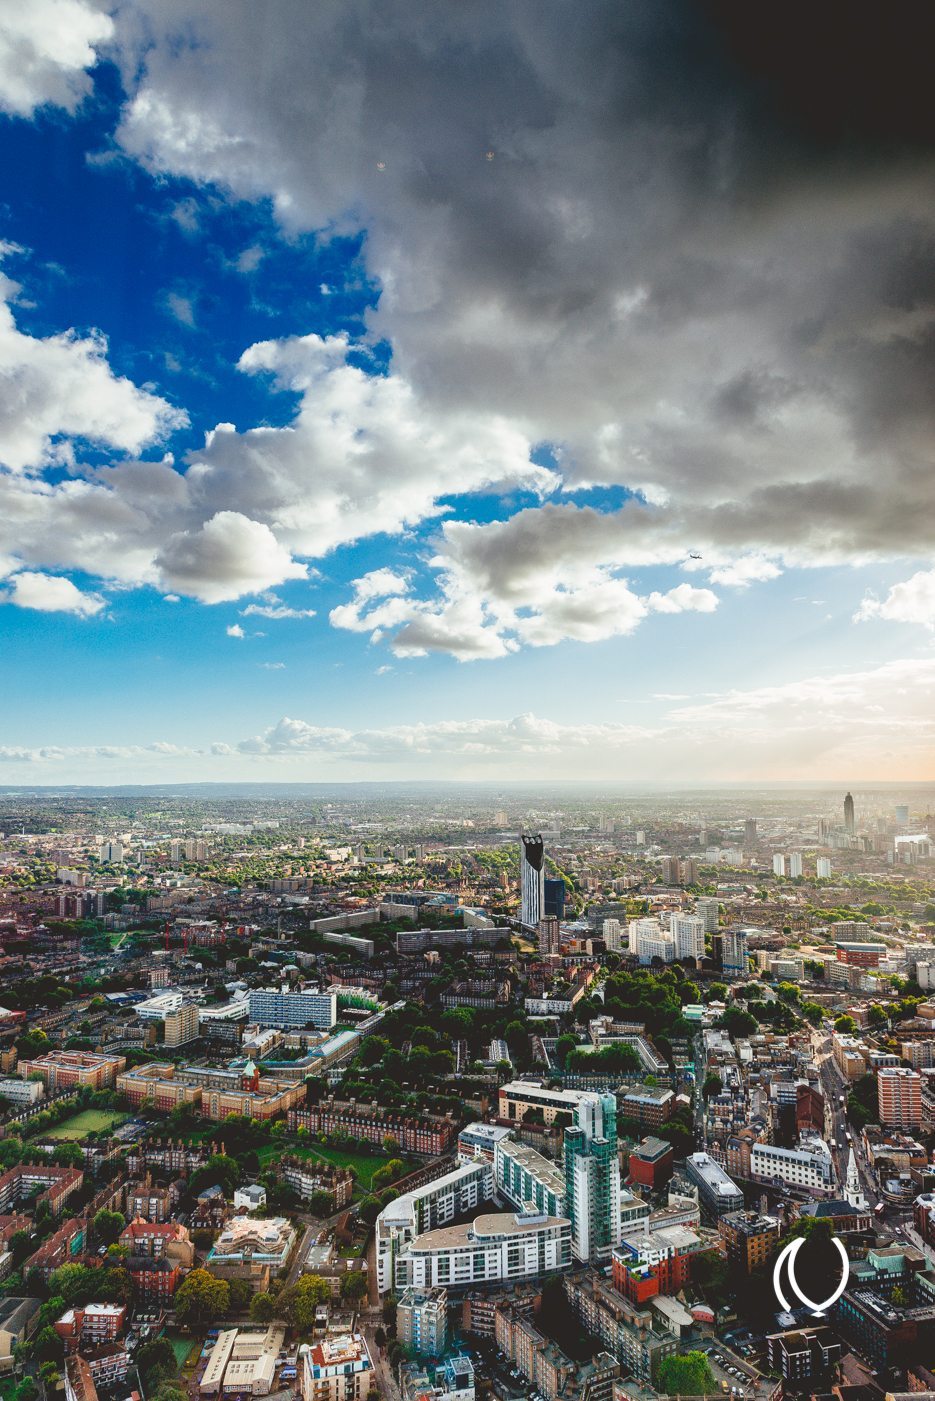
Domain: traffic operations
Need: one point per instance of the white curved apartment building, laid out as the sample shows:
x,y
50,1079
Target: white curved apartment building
x,y
499,1248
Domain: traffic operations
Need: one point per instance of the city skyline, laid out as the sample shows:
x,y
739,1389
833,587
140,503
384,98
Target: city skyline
x,y
463,398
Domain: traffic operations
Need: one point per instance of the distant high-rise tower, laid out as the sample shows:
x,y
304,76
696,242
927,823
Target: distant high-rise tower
x,y
749,832
531,880
849,824
554,897
550,937
795,863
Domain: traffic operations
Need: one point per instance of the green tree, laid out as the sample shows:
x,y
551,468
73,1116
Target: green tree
x,y
240,1295
108,1225
354,1286
200,1298
686,1374
262,1308
845,1024
713,1085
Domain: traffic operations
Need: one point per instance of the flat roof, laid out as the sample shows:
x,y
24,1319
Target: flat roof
x,y
489,1227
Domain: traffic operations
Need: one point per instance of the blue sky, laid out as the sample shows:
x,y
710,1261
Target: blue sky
x,y
484,418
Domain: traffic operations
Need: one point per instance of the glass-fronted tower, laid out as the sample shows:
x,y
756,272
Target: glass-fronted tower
x,y
592,1178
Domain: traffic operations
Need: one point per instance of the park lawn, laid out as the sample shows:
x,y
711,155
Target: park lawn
x,y
363,1164
85,1122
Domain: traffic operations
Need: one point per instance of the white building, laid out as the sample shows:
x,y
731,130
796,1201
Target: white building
x,y
809,1166
293,1007
592,1178
610,931
779,864
496,1249
823,868
795,863
251,1198
688,931
648,940
336,1369
426,1208
709,909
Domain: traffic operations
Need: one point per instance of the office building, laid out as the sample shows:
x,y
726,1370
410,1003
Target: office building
x,y
808,1166
649,1105
553,897
823,868
688,931
803,1354
531,880
750,1239
651,1162
850,825
294,1007
592,1178
252,1248
422,1321
717,1194
899,1092
496,1249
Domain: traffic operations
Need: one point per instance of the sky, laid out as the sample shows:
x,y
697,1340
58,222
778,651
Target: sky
x,y
484,391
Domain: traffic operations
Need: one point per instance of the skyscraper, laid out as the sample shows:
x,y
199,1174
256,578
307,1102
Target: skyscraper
x,y
531,880
823,868
749,833
735,962
592,1178
795,864
550,940
849,824
688,932
554,897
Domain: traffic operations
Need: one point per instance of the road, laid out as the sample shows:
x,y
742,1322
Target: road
x,y
837,1128
382,1371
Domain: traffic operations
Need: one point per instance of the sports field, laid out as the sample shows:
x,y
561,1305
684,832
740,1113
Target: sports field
x,y
88,1121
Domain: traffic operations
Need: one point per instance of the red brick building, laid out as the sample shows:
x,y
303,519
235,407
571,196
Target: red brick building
x,y
651,1163
428,1134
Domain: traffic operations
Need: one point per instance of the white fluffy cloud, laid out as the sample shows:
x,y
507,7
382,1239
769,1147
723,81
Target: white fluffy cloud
x,y
46,46
61,387
47,594
547,602
911,601
229,555
879,722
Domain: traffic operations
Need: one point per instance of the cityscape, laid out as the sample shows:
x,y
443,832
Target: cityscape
x,y
467,1093
467,702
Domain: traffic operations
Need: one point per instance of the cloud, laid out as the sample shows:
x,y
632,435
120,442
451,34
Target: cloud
x,y
877,723
229,555
48,594
181,307
273,666
912,601
275,610
235,630
546,601
717,301
61,387
250,258
46,48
